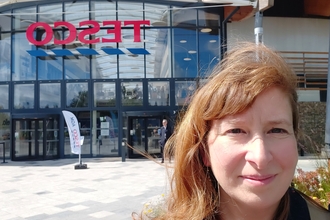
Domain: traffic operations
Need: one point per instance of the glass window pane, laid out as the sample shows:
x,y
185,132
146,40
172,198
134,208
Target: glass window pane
x,y
184,18
24,65
104,94
159,93
77,95
158,63
183,92
24,96
104,66
185,53
131,65
50,13
24,17
209,53
105,136
77,68
5,54
4,101
130,11
50,95
132,93
106,10
5,21
50,67
76,12
158,15
209,41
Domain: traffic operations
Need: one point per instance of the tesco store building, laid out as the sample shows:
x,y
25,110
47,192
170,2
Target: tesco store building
x,y
119,66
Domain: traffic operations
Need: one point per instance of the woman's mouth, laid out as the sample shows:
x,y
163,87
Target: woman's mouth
x,y
258,179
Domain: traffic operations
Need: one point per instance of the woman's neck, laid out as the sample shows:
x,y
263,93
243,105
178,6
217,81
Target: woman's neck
x,y
232,210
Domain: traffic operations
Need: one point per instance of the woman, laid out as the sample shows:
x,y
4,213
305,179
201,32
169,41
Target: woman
x,y
236,147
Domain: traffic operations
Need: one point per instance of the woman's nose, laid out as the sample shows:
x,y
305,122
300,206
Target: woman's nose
x,y
258,152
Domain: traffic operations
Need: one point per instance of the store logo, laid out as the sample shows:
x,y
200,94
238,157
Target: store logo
x,y
45,33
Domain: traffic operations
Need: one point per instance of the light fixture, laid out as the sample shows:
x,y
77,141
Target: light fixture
x,y
187,59
183,41
213,41
192,51
206,30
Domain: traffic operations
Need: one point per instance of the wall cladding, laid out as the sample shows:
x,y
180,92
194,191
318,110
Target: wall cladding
x,y
312,124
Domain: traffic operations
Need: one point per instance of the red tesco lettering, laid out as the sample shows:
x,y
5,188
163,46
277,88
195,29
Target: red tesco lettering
x,y
92,28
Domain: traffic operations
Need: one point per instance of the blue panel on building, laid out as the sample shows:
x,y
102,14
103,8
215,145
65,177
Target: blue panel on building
x,y
62,52
138,51
113,51
86,52
37,53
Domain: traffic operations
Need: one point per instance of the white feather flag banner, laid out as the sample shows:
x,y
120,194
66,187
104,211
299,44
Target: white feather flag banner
x,y
74,131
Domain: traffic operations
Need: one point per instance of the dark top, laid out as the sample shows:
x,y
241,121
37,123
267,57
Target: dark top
x,y
298,206
165,133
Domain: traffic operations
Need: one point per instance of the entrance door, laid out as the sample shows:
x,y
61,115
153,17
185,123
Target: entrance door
x,y
143,135
35,139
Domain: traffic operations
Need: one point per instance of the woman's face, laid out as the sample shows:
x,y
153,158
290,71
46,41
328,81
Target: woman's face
x,y
253,154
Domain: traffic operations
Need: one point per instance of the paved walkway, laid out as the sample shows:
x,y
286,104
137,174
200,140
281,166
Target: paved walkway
x,y
108,189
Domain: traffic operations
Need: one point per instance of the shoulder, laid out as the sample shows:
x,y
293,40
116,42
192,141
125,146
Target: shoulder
x,y
303,207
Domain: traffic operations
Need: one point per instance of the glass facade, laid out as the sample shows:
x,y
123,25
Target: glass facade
x,y
116,65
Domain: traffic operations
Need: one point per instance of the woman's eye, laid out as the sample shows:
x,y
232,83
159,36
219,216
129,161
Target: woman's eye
x,y
278,130
236,131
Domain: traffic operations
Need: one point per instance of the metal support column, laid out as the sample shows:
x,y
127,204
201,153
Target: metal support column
x,y
327,121
258,29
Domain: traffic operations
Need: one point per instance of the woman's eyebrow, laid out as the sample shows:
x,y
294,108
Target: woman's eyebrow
x,y
280,121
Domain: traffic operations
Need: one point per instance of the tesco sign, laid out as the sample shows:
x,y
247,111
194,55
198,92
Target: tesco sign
x,y
92,27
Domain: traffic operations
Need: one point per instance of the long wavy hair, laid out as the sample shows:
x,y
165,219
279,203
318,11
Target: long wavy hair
x,y
245,72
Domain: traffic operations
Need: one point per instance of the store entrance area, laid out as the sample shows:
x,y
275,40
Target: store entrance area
x,y
143,135
35,139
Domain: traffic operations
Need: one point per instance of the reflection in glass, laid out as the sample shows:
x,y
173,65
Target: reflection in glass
x,y
77,95
24,96
76,12
52,138
131,65
184,17
158,63
104,66
104,94
5,132
157,14
184,91
50,13
23,18
132,93
76,67
5,21
5,55
103,10
24,65
185,53
209,41
159,93
50,95
131,11
4,101
105,136
209,53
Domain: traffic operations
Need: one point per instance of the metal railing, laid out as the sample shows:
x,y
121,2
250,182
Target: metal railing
x,y
311,68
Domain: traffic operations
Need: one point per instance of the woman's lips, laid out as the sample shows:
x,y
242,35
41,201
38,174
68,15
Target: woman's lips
x,y
258,180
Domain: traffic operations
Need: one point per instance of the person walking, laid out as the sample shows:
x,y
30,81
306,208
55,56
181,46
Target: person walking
x,y
165,133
